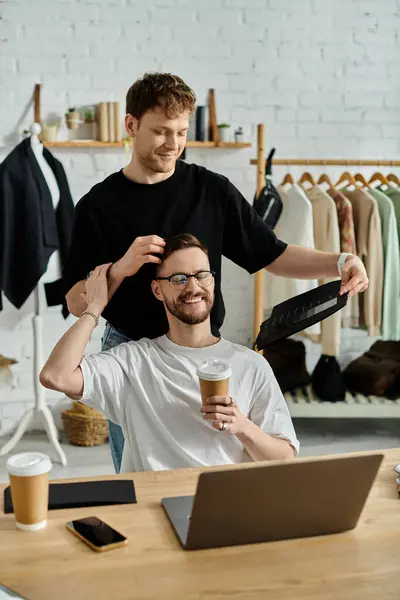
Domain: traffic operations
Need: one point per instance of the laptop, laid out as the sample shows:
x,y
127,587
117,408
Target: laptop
x,y
274,501
298,313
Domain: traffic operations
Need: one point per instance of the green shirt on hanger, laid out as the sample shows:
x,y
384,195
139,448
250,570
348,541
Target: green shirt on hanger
x,y
391,257
394,195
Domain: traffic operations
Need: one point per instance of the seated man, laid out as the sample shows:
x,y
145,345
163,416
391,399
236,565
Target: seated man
x,y
151,388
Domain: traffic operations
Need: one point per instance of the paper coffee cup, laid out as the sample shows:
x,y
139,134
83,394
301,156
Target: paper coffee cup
x,y
214,379
29,481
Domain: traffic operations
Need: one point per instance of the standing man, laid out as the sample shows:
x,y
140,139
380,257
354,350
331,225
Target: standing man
x,y
124,220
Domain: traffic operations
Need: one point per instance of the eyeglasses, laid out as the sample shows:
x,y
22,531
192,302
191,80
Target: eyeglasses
x,y
180,280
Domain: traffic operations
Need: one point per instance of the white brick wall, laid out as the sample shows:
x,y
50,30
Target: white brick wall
x,y
323,75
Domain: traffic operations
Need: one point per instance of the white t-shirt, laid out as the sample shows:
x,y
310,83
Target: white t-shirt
x,y
151,389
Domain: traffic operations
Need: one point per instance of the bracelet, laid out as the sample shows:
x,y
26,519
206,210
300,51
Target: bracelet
x,y
97,319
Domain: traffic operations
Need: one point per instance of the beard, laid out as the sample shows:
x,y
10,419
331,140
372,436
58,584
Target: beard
x,y
178,309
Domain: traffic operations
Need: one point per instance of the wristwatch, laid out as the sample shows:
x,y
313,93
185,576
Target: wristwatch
x,y
341,261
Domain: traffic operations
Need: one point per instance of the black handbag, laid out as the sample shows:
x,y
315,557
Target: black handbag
x,y
327,380
268,203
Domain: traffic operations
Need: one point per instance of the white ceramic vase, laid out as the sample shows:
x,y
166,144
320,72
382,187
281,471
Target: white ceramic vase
x,y
223,134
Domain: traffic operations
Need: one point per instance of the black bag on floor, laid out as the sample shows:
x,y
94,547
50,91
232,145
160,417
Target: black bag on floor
x,y
327,380
288,362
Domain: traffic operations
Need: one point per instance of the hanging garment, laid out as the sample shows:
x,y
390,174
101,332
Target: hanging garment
x,y
367,224
327,239
391,261
350,314
30,229
376,372
394,195
268,204
346,221
53,271
327,381
296,227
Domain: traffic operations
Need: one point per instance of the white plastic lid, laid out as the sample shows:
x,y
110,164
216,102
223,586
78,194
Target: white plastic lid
x,y
214,370
28,464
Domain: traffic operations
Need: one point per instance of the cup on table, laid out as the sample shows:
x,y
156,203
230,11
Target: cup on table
x,y
214,378
29,482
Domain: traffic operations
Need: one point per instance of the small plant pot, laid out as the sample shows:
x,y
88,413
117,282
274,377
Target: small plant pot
x,y
73,119
223,134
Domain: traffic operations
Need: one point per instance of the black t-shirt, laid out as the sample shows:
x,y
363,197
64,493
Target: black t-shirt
x,y
193,200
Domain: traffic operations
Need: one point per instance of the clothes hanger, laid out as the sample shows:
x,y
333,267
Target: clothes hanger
x,y
380,177
288,179
359,178
306,178
324,178
346,178
393,178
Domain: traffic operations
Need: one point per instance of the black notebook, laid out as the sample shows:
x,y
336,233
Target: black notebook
x,y
84,493
300,312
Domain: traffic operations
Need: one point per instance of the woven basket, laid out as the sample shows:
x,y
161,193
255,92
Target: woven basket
x,y
85,426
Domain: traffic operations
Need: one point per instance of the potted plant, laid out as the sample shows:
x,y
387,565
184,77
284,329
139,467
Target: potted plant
x,y
223,132
239,135
72,118
90,114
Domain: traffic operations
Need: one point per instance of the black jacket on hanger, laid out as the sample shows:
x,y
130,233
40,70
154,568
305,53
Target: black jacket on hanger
x,y
30,229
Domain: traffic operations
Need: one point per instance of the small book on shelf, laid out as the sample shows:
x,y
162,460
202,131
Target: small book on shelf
x,y
109,122
103,122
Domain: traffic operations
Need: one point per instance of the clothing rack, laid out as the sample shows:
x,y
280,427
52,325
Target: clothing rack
x,y
381,407
332,162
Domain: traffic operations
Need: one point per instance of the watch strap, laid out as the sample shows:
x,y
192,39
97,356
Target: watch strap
x,y
341,261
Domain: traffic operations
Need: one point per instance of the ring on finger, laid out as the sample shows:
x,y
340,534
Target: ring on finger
x,y
223,426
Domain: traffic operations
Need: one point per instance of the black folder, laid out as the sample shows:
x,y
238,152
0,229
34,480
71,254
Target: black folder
x,y
84,493
300,312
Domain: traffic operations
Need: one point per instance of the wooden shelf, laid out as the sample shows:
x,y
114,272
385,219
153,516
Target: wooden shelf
x,y
218,145
97,144
83,144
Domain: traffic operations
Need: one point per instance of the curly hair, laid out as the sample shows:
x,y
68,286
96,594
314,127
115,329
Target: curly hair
x,y
160,90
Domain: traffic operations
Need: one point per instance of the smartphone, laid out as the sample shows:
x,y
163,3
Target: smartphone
x,y
97,534
6,594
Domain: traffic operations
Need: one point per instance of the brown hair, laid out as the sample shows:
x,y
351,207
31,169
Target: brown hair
x,y
160,90
181,242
